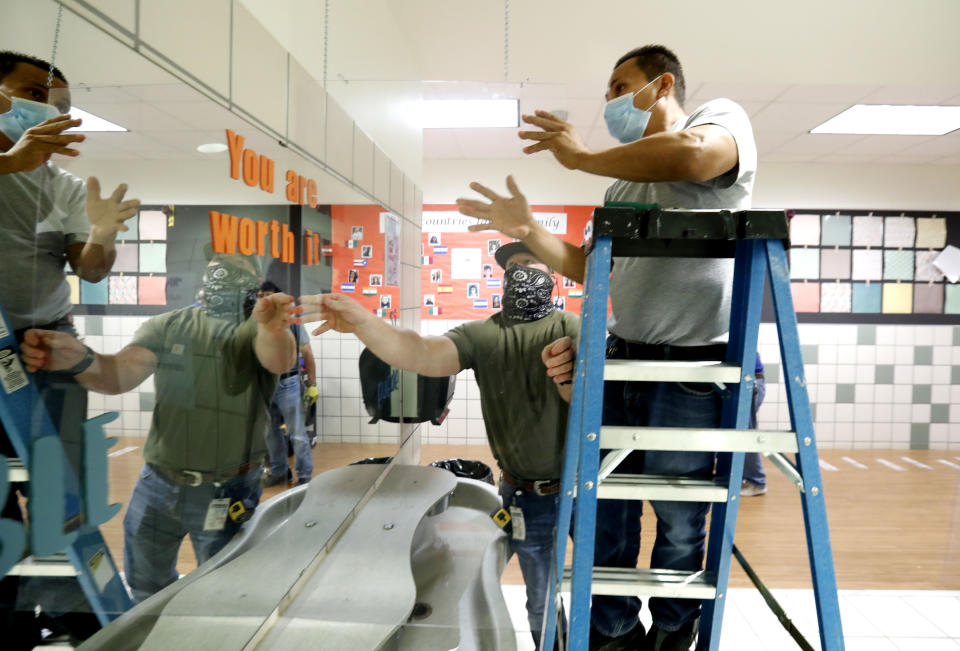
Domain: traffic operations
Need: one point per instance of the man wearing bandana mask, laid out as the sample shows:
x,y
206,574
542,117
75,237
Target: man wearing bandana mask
x,y
523,400
215,374
663,308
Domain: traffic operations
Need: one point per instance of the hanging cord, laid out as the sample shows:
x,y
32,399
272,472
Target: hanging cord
x,y
326,32
42,182
506,39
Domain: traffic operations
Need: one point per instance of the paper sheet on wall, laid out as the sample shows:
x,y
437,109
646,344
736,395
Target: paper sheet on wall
x,y
931,232
867,231
390,225
805,230
465,264
949,263
898,232
867,265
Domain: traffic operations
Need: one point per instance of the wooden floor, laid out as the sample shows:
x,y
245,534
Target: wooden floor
x,y
891,529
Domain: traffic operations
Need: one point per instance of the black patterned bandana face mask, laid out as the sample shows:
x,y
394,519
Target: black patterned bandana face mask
x,y
223,290
527,293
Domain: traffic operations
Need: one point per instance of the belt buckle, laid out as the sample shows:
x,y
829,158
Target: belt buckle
x,y
196,476
538,486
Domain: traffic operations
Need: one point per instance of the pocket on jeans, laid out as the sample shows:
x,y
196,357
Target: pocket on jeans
x,y
146,472
698,389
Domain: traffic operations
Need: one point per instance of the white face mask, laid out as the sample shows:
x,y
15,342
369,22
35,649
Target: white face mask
x,y
24,114
626,122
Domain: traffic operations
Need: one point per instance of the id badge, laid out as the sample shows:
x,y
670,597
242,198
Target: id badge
x,y
216,514
519,526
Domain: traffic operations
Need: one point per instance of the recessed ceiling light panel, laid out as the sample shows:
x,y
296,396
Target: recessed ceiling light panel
x,y
211,148
888,119
92,122
469,113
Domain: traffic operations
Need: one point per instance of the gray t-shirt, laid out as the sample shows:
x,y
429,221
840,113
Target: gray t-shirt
x,y
683,301
42,212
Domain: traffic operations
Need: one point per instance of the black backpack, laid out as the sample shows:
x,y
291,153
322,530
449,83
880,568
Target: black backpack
x,y
381,386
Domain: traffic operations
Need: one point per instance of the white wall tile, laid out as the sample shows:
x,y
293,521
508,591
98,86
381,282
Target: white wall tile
x,y
883,393
885,355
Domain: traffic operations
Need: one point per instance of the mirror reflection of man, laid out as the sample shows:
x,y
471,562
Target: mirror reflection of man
x,y
523,406
215,374
48,218
662,308
285,409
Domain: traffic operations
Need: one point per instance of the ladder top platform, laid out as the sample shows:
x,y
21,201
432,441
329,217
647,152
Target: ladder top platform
x,y
646,230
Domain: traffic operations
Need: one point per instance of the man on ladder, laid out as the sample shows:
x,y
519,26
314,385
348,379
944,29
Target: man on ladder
x,y
663,308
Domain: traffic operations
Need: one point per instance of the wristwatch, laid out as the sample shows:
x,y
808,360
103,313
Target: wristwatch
x,y
84,363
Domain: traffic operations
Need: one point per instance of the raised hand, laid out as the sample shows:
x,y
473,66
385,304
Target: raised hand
x,y
336,311
108,214
274,312
558,356
39,143
509,215
558,136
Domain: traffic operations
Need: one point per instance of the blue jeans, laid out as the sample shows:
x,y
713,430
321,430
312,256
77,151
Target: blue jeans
x,y
287,406
681,526
535,552
161,513
753,461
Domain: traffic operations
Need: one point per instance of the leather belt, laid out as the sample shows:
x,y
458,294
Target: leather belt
x,y
618,348
283,376
540,486
197,478
758,376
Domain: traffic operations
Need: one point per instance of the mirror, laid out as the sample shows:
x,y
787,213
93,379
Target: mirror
x,y
219,192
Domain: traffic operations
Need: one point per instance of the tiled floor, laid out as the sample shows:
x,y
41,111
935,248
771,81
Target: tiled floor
x,y
873,620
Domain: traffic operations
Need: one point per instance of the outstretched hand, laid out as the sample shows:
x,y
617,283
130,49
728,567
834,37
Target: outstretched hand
x,y
39,143
336,311
509,215
274,312
558,136
50,350
109,213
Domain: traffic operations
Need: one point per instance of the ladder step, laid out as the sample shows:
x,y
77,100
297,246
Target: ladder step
x,y
634,582
16,471
56,565
661,488
699,440
633,370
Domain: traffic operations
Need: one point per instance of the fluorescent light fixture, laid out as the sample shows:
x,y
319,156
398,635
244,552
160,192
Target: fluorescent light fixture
x,y
92,122
468,113
211,148
896,120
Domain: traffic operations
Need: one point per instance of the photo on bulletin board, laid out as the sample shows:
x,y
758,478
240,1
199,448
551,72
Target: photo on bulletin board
x,y
488,271
353,275
366,251
560,302
436,275
433,239
473,290
569,283
492,246
495,301
386,301
356,233
429,300
376,280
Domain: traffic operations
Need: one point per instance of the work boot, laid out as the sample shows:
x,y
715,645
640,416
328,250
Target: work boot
x,y
632,640
679,640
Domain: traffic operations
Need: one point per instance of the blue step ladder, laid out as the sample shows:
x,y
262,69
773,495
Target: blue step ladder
x,y
76,549
756,240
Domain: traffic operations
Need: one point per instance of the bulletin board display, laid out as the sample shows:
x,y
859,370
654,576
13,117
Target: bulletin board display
x,y
875,266
460,278
366,255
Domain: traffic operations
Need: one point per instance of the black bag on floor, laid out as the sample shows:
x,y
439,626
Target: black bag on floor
x,y
467,468
383,385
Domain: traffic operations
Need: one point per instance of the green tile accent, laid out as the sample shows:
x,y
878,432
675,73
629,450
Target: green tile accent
x,y
93,325
884,374
147,401
810,354
920,436
956,335
813,411
771,373
923,355
866,335
846,392
939,413
921,394
955,374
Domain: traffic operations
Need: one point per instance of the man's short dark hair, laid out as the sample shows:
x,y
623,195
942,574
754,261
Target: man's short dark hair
x,y
9,61
270,286
655,60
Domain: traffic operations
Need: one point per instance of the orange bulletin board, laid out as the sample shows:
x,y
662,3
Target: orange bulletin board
x,y
360,253
460,278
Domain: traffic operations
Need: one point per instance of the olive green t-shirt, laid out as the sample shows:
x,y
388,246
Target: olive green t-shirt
x,y
525,416
212,394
